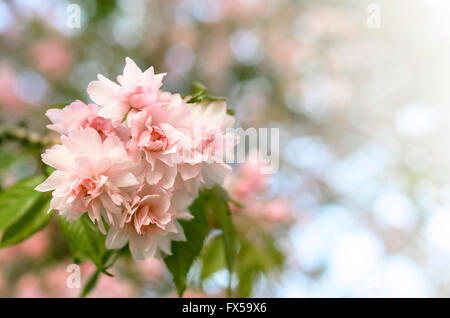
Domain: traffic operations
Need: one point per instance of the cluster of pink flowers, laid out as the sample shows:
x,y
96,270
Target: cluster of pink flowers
x,y
249,186
136,158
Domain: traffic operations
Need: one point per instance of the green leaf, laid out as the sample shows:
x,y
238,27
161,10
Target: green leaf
x,y
85,240
49,170
17,200
6,158
223,218
259,256
199,94
213,257
198,89
90,284
184,253
35,219
57,105
108,260
231,112
245,285
237,204
220,208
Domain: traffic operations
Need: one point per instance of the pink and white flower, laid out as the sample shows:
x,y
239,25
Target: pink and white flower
x,y
156,132
136,90
211,144
78,115
148,223
91,175
136,159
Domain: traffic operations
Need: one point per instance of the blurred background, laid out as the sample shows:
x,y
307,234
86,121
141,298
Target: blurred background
x,y
359,90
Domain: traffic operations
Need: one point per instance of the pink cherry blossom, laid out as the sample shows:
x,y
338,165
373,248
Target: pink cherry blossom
x,y
136,159
8,89
249,186
29,287
91,175
209,145
136,90
277,211
148,223
251,181
79,115
156,131
52,57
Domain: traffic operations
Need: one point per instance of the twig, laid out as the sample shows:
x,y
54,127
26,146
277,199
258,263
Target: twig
x,y
25,135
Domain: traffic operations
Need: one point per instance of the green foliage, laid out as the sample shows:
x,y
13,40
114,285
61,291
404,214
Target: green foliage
x,y
213,257
211,204
219,206
258,256
85,241
17,200
23,211
98,10
6,158
58,105
90,284
35,219
184,253
199,94
49,170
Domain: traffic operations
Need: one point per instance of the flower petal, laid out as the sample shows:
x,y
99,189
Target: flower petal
x,y
115,110
59,157
124,180
116,238
54,181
